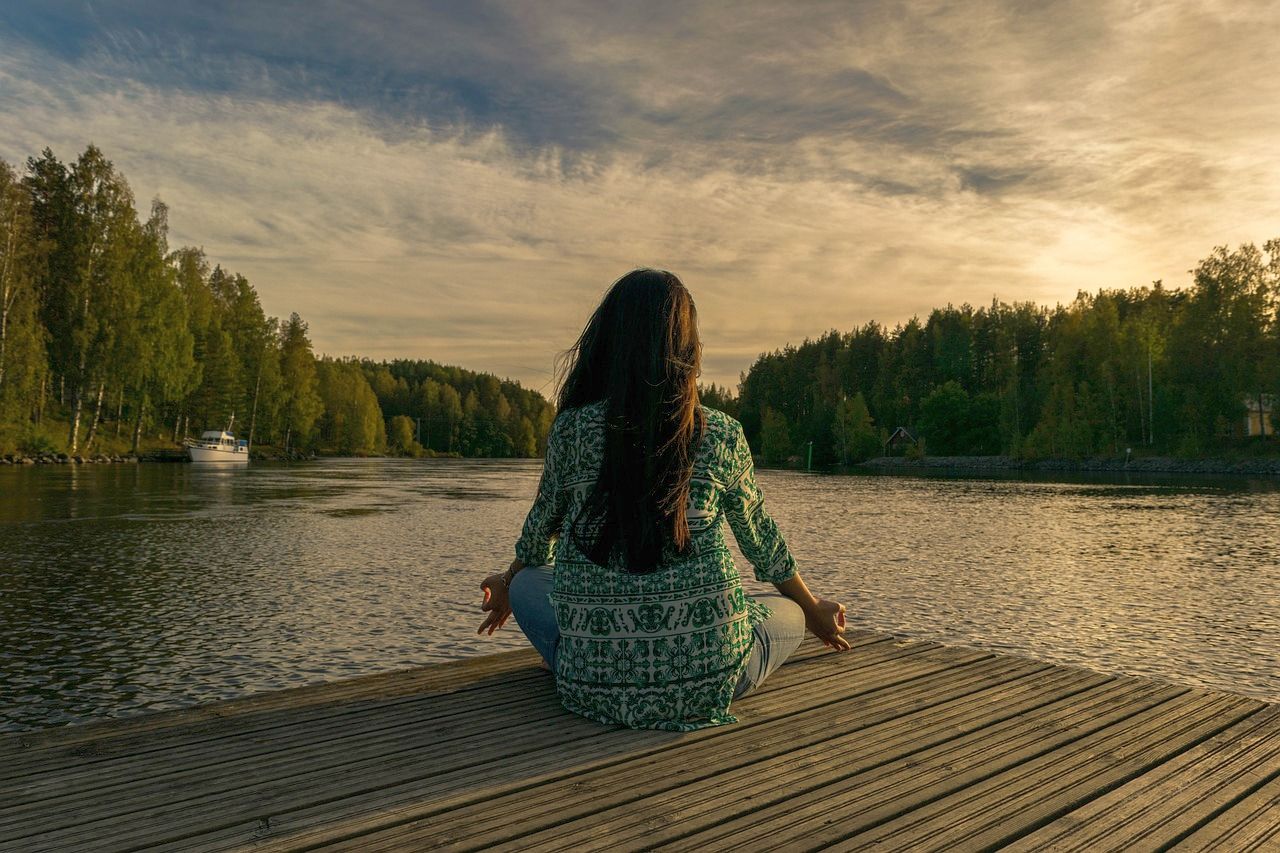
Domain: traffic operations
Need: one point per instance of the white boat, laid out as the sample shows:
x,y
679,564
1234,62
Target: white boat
x,y
217,445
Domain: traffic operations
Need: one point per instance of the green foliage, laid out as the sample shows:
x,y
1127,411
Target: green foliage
x,y
22,352
301,405
34,441
400,437
99,298
158,356
525,442
854,432
100,323
944,418
719,398
1158,370
983,436
775,438
461,411
351,423
955,423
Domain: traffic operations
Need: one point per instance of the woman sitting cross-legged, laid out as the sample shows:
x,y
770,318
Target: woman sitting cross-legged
x,y
623,580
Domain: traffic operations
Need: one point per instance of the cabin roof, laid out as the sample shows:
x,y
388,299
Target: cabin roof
x,y
902,434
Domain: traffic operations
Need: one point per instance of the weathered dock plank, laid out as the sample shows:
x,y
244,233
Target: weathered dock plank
x,y
1175,798
1250,824
894,745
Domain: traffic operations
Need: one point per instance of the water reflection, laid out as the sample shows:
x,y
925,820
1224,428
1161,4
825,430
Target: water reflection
x,y
125,588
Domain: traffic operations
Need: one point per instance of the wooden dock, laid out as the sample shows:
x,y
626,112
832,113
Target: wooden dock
x,y
895,745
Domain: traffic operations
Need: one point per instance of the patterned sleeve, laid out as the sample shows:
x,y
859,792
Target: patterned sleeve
x,y
536,546
757,534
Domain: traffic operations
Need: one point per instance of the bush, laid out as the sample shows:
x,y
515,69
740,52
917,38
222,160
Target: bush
x,y
401,437
944,418
34,441
854,432
775,437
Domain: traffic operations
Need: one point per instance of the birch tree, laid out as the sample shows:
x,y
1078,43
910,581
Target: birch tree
x,y
21,337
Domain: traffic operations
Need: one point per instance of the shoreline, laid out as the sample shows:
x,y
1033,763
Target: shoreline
x,y
1269,467
1265,467
151,456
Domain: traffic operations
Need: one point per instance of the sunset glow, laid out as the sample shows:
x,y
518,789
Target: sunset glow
x,y
461,183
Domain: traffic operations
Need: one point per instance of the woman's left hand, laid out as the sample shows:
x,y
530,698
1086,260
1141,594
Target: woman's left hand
x,y
825,619
496,602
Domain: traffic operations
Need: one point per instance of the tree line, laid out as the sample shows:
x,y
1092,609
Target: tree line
x,y
109,339
1148,369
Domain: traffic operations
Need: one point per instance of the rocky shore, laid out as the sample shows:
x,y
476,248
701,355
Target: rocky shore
x,y
64,459
149,456
1143,465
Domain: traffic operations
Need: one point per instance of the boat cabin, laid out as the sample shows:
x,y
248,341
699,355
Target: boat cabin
x,y
222,439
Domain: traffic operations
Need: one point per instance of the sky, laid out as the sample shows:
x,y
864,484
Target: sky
x,y
463,181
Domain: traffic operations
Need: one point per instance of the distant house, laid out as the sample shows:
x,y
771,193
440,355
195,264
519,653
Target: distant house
x,y
901,437
1258,413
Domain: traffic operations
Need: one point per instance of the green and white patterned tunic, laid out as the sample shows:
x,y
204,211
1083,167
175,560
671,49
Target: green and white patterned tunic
x,y
662,650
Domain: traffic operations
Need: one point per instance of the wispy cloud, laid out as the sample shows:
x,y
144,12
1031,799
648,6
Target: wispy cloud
x,y
461,182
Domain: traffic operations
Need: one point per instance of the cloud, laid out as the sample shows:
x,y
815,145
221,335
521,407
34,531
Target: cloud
x,y
462,182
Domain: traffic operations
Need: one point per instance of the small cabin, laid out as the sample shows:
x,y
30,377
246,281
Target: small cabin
x,y
901,437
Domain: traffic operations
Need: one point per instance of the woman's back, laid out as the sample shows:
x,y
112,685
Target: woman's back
x,y
623,580
664,648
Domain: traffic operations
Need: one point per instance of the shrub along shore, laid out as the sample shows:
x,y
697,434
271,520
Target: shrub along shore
x,y
1264,467
160,455
1144,465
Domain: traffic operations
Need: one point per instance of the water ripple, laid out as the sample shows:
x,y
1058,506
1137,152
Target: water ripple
x,y
125,589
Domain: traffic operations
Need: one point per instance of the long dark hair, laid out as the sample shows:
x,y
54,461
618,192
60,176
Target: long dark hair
x,y
639,354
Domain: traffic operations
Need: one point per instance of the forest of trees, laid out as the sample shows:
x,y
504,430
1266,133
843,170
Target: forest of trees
x,y
1151,369
110,340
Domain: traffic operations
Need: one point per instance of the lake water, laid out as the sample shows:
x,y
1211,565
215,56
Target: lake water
x,y
126,588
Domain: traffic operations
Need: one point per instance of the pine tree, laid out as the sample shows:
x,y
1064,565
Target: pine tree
x,y
301,405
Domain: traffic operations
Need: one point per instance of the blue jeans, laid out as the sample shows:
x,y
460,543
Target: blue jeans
x,y
776,637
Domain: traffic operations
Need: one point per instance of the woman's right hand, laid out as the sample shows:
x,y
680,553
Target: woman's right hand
x,y
496,602
825,620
